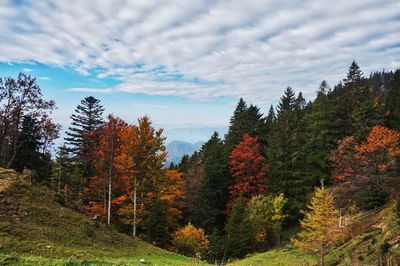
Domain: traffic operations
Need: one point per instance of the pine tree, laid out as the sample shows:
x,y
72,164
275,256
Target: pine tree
x,y
358,109
321,136
213,194
320,224
241,238
284,160
393,103
244,120
28,151
157,225
81,136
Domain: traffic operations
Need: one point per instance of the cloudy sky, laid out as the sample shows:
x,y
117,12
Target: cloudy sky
x,y
186,63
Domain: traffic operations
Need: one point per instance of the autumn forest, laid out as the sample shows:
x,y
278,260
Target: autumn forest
x,y
295,177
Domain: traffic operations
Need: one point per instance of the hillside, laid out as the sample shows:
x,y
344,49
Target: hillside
x,y
176,150
379,231
36,230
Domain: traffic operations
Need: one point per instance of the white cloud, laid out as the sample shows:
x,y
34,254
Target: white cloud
x,y
90,90
207,49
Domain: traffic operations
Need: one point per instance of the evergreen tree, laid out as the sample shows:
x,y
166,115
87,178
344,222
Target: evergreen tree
x,y
241,238
244,120
213,194
284,160
81,136
393,103
321,135
357,107
28,155
157,225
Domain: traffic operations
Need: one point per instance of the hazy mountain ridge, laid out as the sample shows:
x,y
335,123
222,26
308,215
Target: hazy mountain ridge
x,y
177,148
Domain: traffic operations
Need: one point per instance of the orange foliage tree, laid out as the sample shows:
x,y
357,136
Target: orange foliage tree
x,y
190,240
380,150
101,187
142,156
342,159
247,169
171,193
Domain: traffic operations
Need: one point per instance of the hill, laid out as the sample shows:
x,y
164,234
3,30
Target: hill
x,y
176,150
36,230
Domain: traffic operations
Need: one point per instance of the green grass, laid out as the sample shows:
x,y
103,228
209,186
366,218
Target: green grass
x,y
275,257
36,230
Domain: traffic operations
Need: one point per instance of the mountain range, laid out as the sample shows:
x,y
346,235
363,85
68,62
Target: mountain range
x,y
176,149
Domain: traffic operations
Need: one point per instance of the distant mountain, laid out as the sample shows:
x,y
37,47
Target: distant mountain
x,y
176,150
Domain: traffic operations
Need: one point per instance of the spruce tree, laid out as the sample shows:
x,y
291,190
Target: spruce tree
x,y
244,120
157,225
81,136
358,109
28,154
241,238
213,195
393,103
321,135
284,160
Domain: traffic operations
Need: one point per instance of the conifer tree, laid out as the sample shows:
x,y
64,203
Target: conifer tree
x,y
241,238
321,135
244,120
320,224
156,224
284,161
81,136
213,195
393,103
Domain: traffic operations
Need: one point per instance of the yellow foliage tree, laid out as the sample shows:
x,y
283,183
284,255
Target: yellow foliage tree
x,y
320,224
190,240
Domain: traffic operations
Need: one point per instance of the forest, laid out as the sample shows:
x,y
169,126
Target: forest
x,y
294,176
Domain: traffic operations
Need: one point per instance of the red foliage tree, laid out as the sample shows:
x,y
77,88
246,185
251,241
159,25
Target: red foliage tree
x,y
342,159
247,169
380,150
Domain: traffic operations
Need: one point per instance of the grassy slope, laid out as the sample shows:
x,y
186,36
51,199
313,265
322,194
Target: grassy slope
x,y
276,257
35,230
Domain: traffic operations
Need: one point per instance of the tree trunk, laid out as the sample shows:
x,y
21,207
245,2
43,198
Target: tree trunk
x,y
110,181
134,208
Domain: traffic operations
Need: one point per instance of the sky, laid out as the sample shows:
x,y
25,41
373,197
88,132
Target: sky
x,y
186,63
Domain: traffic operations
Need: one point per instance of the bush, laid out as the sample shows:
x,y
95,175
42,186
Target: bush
x,y
397,208
190,240
372,197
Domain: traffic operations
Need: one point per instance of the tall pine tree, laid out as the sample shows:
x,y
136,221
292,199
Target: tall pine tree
x,y
393,103
213,195
81,136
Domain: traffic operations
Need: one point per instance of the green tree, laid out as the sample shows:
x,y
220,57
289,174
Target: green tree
x,y
82,136
241,238
321,136
213,195
244,120
28,152
393,103
157,224
285,161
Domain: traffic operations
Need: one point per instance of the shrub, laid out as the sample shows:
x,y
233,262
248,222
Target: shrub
x,y
190,240
372,197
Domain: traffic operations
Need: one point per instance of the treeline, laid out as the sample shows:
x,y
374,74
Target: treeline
x,y
240,191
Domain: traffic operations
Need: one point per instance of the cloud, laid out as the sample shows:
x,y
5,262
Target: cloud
x,y
90,90
44,78
204,49
26,70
